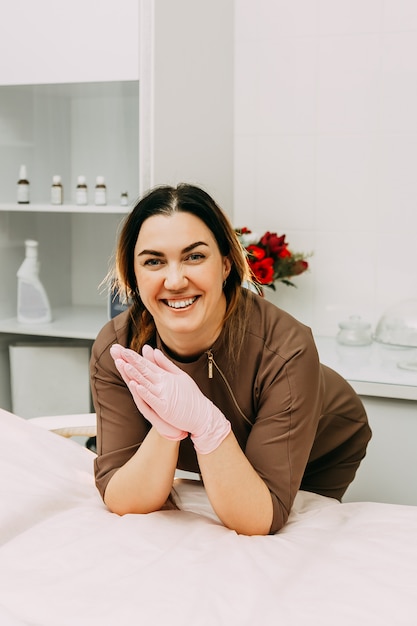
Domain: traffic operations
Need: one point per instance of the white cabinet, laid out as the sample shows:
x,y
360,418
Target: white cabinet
x,y
389,393
389,471
69,42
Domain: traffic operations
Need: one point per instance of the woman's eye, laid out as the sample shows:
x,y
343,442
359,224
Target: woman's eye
x,y
195,256
152,262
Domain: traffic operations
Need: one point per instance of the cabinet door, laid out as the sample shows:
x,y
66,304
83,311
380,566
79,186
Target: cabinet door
x,y
63,42
388,472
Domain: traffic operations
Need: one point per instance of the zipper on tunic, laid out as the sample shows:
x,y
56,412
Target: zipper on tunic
x,y
211,362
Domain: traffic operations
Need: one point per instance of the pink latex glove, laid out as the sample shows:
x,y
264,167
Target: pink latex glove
x,y
173,396
164,428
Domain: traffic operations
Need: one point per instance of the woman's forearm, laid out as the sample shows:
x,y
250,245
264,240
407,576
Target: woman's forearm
x,y
144,483
238,495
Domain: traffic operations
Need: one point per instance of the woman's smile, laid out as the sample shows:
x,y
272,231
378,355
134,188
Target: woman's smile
x,y
182,304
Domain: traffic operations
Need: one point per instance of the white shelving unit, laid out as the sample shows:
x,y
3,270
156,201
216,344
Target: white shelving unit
x,y
64,208
70,129
89,129
73,321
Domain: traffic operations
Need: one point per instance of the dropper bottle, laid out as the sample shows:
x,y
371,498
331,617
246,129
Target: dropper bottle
x,y
100,191
23,186
81,195
57,192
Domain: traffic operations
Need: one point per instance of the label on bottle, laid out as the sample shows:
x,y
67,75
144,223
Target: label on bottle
x,y
32,303
56,194
81,195
100,195
23,193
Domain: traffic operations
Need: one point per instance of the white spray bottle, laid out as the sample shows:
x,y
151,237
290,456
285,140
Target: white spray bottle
x,y
32,301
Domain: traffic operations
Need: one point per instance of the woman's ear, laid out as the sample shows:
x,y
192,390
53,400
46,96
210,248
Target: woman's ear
x,y
227,266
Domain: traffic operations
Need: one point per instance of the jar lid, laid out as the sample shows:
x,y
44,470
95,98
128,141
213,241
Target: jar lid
x,y
355,322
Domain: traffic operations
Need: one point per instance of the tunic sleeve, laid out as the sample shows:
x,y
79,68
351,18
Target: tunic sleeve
x,y
289,393
121,428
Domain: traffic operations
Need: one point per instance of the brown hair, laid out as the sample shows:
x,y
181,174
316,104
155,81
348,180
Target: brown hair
x,y
166,200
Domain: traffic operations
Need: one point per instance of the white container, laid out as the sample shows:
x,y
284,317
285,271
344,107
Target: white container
x,y
81,195
57,195
100,191
32,301
354,332
23,186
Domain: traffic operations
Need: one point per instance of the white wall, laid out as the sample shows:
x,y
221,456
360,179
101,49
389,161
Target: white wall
x,y
191,94
326,147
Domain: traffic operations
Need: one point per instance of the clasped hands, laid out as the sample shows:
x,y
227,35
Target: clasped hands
x,y
170,399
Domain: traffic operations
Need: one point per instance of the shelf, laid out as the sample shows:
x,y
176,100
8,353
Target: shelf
x,y
68,322
64,208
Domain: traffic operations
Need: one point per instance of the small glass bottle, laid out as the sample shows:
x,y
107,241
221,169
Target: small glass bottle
x,y
124,199
23,186
57,192
81,191
100,192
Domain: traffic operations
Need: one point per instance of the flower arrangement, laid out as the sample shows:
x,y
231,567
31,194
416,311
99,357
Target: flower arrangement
x,y
270,259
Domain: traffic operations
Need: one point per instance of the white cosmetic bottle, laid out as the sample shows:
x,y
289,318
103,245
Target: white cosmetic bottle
x,y
81,196
23,186
32,301
57,192
100,192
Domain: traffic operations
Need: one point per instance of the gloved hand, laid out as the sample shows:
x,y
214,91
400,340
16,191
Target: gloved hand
x,y
164,428
173,396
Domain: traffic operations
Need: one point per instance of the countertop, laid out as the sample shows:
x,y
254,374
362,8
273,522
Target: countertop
x,y
375,370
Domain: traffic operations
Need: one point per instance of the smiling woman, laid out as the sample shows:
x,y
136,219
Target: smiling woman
x,y
201,374
180,274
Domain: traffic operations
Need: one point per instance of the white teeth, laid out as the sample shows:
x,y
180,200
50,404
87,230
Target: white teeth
x,y
180,304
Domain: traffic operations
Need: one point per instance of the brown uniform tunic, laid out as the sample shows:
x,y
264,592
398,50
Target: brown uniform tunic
x,y
299,423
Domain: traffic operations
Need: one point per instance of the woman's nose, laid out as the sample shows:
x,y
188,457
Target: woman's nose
x,y
175,278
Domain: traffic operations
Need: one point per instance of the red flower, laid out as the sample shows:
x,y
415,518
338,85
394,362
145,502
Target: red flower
x,y
270,259
284,253
277,246
256,251
263,270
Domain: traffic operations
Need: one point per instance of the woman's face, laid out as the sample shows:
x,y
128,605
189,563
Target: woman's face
x,y
180,272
